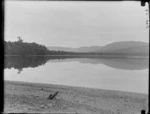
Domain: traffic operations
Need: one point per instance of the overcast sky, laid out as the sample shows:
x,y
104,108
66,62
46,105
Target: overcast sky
x,y
75,24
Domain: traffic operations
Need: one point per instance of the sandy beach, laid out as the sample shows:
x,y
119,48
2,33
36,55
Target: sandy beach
x,y
33,97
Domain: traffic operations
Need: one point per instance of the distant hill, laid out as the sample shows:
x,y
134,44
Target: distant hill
x,y
126,47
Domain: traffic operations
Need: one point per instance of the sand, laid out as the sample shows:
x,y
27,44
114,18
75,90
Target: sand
x,y
33,97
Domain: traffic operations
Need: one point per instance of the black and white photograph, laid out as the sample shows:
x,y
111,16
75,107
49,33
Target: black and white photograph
x,y
76,57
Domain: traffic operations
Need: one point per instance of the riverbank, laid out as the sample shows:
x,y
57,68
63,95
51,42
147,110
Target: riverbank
x,y
33,97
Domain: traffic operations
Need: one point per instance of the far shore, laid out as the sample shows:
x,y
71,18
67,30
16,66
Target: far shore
x,y
33,97
90,56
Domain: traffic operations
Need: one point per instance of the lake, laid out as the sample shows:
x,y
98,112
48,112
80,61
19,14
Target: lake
x,y
123,74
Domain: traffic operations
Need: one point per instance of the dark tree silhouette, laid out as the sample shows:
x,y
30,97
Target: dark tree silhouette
x,y
24,49
20,39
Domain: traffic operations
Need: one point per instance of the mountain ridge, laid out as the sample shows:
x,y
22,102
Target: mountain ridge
x,y
123,47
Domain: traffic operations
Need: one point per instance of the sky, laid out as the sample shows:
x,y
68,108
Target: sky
x,y
75,24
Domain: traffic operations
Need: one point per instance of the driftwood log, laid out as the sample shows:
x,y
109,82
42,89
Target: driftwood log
x,y
52,96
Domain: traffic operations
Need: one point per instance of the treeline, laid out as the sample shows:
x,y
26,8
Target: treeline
x,y
23,48
26,49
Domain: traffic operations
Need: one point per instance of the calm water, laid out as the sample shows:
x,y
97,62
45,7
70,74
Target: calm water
x,y
104,73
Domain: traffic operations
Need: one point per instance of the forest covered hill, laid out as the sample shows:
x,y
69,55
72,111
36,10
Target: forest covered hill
x,y
124,48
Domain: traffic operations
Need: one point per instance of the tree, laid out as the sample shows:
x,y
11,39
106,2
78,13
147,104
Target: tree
x,y
20,39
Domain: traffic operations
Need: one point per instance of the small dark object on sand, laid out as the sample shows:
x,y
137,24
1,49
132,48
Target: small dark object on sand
x,y
143,112
52,96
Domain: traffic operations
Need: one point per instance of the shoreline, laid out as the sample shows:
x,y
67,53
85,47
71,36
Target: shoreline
x,y
32,97
86,56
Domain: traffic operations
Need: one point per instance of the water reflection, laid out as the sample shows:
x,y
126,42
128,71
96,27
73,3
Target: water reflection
x,y
118,63
19,63
93,72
